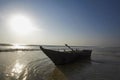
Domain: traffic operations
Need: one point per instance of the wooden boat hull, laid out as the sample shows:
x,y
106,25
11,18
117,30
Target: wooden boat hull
x,y
66,57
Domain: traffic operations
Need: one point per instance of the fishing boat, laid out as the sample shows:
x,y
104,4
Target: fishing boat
x,y
64,57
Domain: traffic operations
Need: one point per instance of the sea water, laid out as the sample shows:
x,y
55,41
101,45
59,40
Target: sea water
x,y
35,65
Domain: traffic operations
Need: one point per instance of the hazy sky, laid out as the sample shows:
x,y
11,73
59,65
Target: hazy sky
x,y
76,22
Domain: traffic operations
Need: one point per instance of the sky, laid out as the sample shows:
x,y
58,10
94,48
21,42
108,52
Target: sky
x,y
56,22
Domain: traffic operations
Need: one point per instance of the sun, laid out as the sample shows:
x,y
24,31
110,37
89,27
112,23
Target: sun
x,y
20,24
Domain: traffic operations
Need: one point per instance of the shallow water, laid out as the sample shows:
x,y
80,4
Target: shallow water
x,y
35,65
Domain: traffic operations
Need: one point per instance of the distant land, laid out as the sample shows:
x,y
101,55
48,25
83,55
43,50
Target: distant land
x,y
49,45
5,44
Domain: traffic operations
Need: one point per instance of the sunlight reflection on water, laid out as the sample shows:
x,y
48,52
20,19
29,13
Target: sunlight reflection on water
x,y
17,46
17,69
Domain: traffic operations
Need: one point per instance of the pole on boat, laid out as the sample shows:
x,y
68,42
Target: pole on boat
x,y
69,47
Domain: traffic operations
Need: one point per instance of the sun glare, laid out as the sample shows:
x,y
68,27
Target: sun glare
x,y
20,24
17,69
17,46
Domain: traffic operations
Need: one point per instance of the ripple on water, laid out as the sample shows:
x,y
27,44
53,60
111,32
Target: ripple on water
x,y
38,70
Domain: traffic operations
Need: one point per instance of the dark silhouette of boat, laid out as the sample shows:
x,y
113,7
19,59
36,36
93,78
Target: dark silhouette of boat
x,y
64,57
